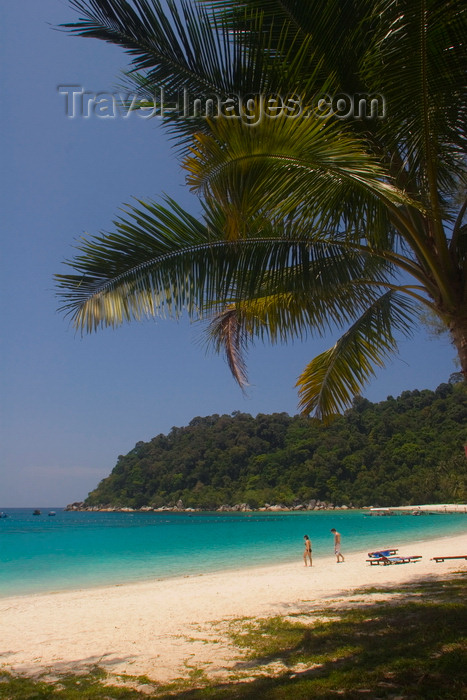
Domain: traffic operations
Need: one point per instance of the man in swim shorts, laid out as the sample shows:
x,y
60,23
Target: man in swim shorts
x,y
337,545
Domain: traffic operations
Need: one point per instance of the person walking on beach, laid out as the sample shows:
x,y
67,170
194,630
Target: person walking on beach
x,y
337,545
307,552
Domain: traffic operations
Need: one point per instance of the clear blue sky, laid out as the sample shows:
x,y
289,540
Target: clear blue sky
x,y
69,404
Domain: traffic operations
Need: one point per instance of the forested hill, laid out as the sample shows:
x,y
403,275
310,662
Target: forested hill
x,y
397,452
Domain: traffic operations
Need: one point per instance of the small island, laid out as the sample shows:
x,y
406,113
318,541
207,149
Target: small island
x,y
400,452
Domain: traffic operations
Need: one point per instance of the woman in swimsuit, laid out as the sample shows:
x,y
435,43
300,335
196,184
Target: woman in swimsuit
x,y
307,552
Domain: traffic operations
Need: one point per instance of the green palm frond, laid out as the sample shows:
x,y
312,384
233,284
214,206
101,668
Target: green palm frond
x,y
194,58
114,276
286,165
162,260
424,43
325,24
322,287
333,378
179,54
171,46
292,11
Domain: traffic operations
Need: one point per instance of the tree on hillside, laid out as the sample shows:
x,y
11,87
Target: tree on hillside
x,y
333,196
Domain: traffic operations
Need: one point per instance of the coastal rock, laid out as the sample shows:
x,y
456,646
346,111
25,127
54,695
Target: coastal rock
x,y
242,507
224,508
77,505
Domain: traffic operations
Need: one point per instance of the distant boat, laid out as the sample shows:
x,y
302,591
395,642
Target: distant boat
x,y
37,512
3,515
52,512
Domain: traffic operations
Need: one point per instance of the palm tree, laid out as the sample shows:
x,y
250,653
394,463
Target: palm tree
x,y
311,222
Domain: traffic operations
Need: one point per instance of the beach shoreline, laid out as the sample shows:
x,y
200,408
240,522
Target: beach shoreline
x,y
435,508
162,628
277,508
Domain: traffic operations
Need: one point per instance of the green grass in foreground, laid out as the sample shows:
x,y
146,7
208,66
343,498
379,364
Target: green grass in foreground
x,y
412,646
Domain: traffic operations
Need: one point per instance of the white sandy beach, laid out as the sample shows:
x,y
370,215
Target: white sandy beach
x,y
163,628
435,508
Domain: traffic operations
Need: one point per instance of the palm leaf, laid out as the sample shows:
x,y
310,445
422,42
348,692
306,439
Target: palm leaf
x,y
226,334
193,57
288,166
322,25
423,42
333,378
163,260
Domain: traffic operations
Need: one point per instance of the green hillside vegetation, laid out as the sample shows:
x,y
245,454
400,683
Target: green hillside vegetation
x,y
401,451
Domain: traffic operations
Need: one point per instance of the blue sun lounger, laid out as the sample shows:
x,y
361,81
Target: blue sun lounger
x,y
383,553
385,561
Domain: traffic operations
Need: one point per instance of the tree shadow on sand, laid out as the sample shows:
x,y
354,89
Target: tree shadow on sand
x,y
413,645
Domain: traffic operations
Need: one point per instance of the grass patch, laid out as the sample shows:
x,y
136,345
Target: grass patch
x,y
70,687
411,646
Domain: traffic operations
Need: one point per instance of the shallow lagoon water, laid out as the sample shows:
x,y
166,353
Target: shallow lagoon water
x,y
74,550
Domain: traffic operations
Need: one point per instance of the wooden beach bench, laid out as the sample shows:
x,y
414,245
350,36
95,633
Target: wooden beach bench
x,y
385,561
458,556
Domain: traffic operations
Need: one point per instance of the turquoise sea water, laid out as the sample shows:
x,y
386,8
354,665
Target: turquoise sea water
x,y
80,549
